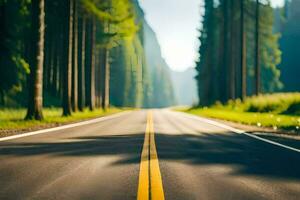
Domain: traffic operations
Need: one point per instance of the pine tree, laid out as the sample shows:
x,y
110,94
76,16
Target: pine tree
x,y
75,58
35,103
92,67
67,80
81,70
243,52
257,51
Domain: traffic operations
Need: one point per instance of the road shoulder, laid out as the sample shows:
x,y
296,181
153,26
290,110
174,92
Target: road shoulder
x,y
45,128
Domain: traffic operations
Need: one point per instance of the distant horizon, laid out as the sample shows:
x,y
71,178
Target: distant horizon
x,y
177,30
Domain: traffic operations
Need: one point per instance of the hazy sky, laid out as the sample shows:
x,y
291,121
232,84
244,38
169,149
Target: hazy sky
x,y
175,23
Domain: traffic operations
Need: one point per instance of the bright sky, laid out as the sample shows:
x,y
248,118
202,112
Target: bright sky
x,y
175,23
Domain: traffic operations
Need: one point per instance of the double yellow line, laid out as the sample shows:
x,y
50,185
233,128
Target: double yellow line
x,y
150,183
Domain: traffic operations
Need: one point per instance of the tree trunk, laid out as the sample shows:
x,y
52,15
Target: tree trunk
x,y
105,95
232,70
55,63
59,62
75,60
52,61
257,57
67,79
243,53
220,69
35,103
97,79
81,77
46,59
224,75
92,67
88,62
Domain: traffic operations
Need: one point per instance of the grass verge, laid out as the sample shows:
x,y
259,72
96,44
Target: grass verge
x,y
13,119
275,121
278,111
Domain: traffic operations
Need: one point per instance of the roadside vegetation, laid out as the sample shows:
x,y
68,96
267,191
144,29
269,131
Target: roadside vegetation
x,y
79,54
63,61
247,55
279,111
11,119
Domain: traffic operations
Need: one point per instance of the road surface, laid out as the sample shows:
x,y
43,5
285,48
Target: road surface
x,y
157,154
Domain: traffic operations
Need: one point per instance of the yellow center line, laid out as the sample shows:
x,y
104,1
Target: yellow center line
x,y
150,181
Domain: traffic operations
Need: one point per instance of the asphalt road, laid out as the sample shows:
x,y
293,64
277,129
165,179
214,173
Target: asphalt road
x,y
118,158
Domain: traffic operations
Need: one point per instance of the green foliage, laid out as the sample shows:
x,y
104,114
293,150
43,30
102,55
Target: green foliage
x,y
274,103
93,7
288,26
138,71
293,108
278,103
130,81
281,110
204,65
115,19
270,54
13,53
219,63
135,80
274,121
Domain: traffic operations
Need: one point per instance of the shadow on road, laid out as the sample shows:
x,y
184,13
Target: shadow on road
x,y
248,156
128,145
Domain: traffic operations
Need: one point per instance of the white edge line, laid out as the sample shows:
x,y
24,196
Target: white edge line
x,y
100,119
214,123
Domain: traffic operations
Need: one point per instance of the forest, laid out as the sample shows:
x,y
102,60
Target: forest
x,y
79,54
247,48
248,65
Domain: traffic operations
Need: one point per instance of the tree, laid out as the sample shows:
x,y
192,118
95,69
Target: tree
x,y
67,81
81,70
205,65
76,31
228,28
92,63
289,45
75,58
257,50
106,79
35,103
269,56
243,52
15,42
226,9
231,55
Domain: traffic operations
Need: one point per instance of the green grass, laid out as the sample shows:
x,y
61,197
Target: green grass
x,y
279,111
279,103
13,119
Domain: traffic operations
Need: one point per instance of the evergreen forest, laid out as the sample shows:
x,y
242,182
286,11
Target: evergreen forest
x,y
79,54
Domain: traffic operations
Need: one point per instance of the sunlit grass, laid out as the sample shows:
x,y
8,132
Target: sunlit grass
x,y
13,119
278,111
258,119
279,103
